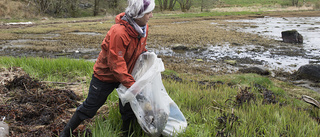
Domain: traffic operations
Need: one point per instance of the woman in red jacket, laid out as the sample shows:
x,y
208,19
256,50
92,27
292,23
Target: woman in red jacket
x,y
121,47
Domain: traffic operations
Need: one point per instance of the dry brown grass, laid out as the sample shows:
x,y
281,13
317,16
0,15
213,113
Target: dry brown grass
x,y
7,36
16,9
195,33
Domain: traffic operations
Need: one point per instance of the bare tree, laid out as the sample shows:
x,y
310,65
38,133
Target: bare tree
x,y
57,7
114,7
62,8
43,5
185,5
166,4
72,7
171,4
205,4
160,5
96,7
294,2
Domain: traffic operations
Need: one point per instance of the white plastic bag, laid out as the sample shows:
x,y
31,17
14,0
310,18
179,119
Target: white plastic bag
x,y
4,128
156,112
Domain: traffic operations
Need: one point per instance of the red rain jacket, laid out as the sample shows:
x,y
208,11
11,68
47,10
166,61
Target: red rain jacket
x,y
119,51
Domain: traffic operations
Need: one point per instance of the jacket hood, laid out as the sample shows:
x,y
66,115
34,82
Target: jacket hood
x,y
129,29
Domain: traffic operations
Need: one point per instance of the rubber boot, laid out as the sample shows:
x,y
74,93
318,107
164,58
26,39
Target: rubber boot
x,y
71,125
127,127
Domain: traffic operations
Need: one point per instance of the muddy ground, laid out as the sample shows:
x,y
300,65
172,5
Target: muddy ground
x,y
23,95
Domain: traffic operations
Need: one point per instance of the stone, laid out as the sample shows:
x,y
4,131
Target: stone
x,y
179,47
256,70
310,72
291,36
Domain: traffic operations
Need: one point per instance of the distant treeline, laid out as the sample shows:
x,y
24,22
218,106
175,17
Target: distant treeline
x,y
81,8
76,8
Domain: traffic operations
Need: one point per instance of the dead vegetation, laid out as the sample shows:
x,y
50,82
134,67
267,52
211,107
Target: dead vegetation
x,y
33,109
245,96
226,122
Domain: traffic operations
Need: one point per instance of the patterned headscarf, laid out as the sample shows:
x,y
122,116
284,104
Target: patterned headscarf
x,y
137,8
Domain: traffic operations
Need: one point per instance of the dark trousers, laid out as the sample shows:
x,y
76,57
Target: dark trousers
x,y
97,96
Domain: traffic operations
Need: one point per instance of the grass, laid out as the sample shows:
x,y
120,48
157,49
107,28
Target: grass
x,y
61,69
210,110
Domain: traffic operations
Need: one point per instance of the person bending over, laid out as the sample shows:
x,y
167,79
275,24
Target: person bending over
x,y
120,49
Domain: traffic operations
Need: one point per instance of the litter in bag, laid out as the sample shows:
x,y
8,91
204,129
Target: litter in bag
x,y
156,112
4,128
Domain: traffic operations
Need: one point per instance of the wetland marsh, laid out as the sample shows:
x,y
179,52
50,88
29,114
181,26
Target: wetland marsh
x,y
213,46
206,43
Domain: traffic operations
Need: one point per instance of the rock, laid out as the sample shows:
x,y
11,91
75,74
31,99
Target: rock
x,y
179,47
309,72
291,36
256,70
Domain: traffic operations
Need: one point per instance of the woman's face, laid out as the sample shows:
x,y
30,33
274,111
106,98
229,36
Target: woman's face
x,y
144,20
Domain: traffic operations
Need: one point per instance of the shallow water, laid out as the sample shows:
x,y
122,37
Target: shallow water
x,y
289,57
308,27
285,57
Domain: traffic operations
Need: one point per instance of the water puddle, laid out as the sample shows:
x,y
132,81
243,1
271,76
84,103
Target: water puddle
x,y
20,43
180,22
20,23
42,36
